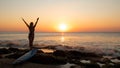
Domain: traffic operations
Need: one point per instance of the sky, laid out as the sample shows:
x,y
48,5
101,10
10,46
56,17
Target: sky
x,y
77,15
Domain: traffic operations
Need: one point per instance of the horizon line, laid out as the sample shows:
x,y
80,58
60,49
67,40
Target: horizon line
x,y
56,32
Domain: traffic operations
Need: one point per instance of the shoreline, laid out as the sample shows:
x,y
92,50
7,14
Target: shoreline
x,y
57,58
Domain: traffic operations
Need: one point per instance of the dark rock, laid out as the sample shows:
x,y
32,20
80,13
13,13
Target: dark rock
x,y
59,53
16,55
108,66
79,55
47,59
89,65
4,51
74,55
13,49
23,50
49,47
72,66
18,52
40,51
1,56
118,58
105,60
117,65
75,66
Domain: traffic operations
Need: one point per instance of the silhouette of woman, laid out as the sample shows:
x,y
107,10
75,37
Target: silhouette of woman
x,y
31,32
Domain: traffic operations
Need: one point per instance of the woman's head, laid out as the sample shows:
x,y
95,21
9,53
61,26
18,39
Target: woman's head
x,y
31,24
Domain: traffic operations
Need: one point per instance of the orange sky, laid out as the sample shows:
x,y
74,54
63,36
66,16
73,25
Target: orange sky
x,y
78,15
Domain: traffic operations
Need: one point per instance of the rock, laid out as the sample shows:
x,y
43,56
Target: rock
x,y
1,56
16,55
117,65
59,53
118,58
4,51
105,60
40,51
75,66
108,66
47,59
90,65
74,55
49,47
13,49
79,55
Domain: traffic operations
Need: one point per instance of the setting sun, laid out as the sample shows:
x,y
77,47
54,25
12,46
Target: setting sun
x,y
62,27
61,15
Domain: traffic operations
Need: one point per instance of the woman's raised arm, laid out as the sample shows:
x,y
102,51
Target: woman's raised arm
x,y
36,22
25,22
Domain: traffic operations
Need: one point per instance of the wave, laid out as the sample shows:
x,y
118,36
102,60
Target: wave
x,y
23,44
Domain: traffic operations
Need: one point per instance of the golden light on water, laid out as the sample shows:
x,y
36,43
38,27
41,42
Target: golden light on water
x,y
62,39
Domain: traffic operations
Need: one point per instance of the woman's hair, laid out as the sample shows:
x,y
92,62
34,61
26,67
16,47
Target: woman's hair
x,y
31,24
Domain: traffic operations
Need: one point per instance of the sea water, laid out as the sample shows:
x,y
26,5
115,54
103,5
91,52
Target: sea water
x,y
97,42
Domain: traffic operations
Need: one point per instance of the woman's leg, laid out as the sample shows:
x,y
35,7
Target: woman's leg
x,y
31,39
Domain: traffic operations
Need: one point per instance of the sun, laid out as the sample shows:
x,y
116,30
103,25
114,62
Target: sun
x,y
63,27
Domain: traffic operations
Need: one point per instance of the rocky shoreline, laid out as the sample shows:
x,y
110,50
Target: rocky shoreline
x,y
62,57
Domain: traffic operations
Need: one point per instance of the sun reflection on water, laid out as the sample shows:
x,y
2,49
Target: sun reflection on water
x,y
62,38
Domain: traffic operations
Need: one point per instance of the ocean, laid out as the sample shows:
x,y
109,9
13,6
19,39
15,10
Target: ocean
x,y
108,43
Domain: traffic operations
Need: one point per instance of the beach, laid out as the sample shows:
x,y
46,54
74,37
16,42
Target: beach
x,y
57,59
60,34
